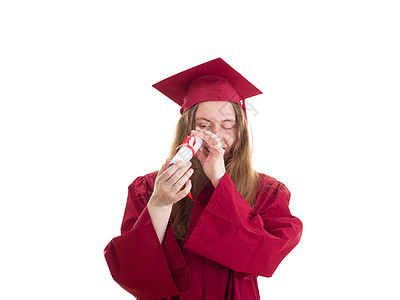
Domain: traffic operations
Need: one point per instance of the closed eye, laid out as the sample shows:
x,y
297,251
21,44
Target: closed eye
x,y
228,127
228,124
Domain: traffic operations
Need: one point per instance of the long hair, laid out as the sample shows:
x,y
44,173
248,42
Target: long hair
x,y
238,165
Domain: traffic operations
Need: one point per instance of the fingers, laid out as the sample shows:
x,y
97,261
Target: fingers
x,y
207,136
185,191
201,154
166,174
169,183
179,173
182,180
178,180
211,141
164,166
217,149
176,175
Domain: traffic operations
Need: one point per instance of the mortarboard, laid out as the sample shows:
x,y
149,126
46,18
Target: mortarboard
x,y
214,80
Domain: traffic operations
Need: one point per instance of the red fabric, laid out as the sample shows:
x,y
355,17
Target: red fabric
x,y
209,88
214,80
228,244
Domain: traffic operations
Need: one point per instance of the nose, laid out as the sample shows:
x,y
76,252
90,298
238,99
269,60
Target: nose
x,y
216,129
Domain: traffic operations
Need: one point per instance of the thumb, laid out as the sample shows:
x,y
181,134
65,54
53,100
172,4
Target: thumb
x,y
201,156
164,166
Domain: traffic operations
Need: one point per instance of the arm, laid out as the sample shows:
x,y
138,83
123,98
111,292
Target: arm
x,y
248,242
136,259
167,191
160,219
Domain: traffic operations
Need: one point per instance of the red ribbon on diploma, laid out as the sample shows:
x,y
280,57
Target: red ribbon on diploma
x,y
188,142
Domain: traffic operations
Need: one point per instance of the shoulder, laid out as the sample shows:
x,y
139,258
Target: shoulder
x,y
264,181
270,190
143,184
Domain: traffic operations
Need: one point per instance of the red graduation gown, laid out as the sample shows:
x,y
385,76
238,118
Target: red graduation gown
x,y
228,243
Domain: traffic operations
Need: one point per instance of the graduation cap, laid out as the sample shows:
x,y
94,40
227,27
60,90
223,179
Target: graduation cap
x,y
214,80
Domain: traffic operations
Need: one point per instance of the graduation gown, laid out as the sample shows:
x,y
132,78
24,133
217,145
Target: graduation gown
x,y
227,246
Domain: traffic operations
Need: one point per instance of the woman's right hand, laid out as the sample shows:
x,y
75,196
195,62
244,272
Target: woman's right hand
x,y
168,184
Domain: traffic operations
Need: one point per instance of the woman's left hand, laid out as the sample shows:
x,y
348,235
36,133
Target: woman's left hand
x,y
211,155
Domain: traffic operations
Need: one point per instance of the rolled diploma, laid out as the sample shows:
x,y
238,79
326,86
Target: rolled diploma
x,y
185,153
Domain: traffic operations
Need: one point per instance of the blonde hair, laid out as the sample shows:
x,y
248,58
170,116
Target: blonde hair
x,y
238,165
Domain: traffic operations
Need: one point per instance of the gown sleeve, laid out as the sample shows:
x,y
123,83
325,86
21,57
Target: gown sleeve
x,y
250,242
136,259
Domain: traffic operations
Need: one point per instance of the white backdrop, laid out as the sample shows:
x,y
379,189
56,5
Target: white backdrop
x,y
80,121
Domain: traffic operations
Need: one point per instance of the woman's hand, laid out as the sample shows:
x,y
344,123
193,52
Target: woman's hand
x,y
168,185
167,191
211,155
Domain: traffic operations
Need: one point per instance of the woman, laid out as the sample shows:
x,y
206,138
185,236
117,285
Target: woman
x,y
238,225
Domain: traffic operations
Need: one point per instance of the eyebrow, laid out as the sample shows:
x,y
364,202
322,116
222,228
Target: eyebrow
x,y
226,120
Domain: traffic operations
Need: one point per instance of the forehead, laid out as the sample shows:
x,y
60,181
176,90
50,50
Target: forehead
x,y
216,110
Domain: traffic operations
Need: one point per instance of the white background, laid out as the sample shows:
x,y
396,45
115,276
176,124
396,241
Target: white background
x,y
80,121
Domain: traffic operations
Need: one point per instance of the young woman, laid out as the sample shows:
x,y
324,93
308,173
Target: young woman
x,y
237,226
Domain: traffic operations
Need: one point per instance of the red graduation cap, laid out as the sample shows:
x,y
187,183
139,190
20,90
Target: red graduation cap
x,y
211,81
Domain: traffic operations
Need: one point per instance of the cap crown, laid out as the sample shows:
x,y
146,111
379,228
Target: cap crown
x,y
211,81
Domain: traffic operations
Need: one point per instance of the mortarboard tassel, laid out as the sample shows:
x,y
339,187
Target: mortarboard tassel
x,y
245,112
